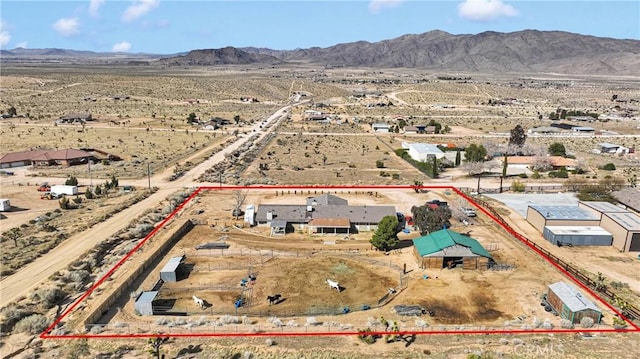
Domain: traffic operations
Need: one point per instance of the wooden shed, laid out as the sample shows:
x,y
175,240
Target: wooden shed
x,y
570,304
448,249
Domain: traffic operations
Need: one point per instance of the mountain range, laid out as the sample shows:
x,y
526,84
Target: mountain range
x,y
488,52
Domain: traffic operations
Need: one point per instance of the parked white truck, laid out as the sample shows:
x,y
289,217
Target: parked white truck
x,y
59,190
5,204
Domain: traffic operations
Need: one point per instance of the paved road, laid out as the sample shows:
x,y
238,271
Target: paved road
x,y
32,275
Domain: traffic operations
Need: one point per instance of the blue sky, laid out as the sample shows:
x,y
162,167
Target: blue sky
x,y
171,26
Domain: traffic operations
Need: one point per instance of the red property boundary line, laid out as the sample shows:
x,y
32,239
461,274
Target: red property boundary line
x,y
46,334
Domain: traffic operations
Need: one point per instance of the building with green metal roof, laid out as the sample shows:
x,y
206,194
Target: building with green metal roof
x,y
447,249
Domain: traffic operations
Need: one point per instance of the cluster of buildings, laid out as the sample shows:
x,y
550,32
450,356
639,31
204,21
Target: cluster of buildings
x,y
587,224
64,157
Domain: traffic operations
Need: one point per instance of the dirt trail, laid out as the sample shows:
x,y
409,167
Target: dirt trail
x,y
32,275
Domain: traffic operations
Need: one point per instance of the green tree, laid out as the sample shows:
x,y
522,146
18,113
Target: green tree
x,y
517,136
114,182
191,118
379,164
458,158
64,203
429,219
71,181
236,119
434,167
88,194
609,167
98,190
557,149
416,185
437,125
475,153
386,236
13,234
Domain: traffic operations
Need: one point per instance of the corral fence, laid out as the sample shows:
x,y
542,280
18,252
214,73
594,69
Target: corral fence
x,y
529,189
631,311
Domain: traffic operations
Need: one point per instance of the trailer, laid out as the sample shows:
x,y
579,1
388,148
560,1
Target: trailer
x,y
64,189
5,204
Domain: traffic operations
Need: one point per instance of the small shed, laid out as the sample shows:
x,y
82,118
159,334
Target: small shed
x,y
169,273
144,302
577,236
570,304
446,249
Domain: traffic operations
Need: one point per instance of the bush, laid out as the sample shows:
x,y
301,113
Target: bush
x,y
523,175
48,297
609,167
395,176
517,186
33,324
379,164
566,324
13,314
536,175
587,322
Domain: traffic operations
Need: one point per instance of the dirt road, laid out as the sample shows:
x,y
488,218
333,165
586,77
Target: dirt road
x,y
32,275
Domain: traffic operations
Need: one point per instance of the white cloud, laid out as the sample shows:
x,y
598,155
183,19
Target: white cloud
x,y
376,6
22,44
94,6
67,27
484,10
5,36
121,47
139,8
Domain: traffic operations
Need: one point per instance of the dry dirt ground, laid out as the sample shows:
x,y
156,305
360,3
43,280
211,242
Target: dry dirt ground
x,y
458,297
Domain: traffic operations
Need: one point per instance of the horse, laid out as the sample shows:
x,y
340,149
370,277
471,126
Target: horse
x,y
198,301
274,299
333,285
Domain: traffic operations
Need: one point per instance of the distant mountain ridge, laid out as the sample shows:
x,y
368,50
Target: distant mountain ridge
x,y
489,52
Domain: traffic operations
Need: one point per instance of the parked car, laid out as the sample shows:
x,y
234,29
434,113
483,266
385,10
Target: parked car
x,y
44,187
469,212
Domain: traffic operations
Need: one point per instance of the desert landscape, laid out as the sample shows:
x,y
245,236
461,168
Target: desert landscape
x,y
170,146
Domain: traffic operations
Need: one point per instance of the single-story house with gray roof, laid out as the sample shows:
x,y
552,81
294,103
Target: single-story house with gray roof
x,y
321,212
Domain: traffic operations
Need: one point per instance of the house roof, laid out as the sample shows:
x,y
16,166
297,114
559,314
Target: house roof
x,y
608,145
72,116
20,156
572,298
326,199
278,223
572,213
629,197
299,214
544,129
582,128
411,128
427,148
446,242
380,125
67,154
578,230
602,207
330,223
629,221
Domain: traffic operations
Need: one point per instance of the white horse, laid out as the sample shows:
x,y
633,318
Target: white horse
x,y
198,301
333,285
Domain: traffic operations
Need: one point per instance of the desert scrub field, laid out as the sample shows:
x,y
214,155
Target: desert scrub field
x,y
46,231
46,95
331,159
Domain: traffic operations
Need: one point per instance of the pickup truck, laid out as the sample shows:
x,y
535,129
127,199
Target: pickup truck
x,y
44,188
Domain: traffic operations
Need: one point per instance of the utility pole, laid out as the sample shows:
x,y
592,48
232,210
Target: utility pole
x,y
90,176
478,189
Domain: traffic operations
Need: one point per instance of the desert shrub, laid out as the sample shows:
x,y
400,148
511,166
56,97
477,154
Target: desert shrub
x,y
275,321
517,186
395,176
566,324
523,175
587,322
48,297
619,285
80,277
367,338
142,230
312,321
619,323
33,324
536,175
379,164
77,200
13,314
